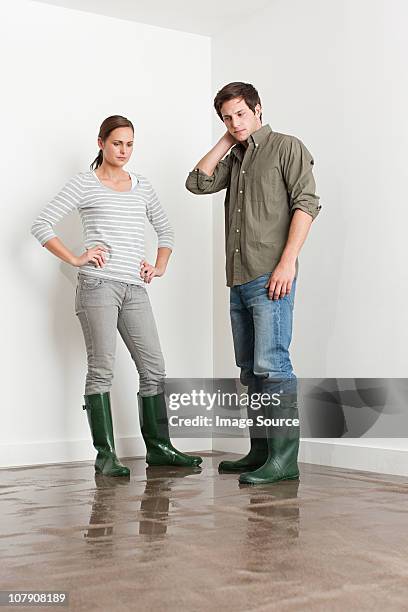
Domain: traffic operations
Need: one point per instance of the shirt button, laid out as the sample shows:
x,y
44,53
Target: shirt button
x,y
239,210
243,172
237,230
237,250
241,191
257,145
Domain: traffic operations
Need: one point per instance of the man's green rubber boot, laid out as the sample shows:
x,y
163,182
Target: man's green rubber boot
x,y
99,415
252,461
258,453
283,445
155,431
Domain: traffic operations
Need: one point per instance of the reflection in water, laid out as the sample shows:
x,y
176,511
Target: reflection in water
x,y
103,507
154,509
273,522
109,503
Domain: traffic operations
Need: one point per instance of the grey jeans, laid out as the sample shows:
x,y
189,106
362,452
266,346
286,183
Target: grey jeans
x,y
103,306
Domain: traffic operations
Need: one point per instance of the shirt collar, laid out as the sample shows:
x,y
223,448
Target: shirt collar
x,y
255,138
260,135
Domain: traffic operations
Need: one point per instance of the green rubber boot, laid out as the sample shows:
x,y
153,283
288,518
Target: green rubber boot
x,y
155,431
253,460
99,415
258,452
283,445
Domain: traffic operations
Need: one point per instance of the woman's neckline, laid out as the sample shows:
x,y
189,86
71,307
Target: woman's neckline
x,y
115,190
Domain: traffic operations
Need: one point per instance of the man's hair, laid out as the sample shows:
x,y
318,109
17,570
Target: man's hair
x,y
237,90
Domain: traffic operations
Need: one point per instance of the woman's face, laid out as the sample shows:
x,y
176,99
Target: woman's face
x,y
118,146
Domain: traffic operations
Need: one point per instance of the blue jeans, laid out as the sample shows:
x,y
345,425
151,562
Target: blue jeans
x,y
262,331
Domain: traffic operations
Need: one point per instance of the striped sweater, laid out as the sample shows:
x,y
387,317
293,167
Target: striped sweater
x,y
110,218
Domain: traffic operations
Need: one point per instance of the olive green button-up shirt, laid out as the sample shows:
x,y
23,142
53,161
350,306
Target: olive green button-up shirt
x,y
266,182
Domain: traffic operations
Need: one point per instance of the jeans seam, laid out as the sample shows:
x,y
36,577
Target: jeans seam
x,y
90,340
137,353
280,335
242,307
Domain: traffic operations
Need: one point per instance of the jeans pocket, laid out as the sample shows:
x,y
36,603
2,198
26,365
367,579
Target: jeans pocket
x,y
90,283
91,292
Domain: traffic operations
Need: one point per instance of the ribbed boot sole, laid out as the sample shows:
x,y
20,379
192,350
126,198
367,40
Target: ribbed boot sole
x,y
271,481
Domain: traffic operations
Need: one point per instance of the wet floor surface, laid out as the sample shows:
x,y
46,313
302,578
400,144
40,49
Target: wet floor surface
x,y
191,540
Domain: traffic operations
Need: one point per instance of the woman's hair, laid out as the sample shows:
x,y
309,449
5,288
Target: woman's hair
x,y
237,90
107,126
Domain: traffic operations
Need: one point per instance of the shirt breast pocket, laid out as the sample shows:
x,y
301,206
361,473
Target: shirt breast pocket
x,y
266,182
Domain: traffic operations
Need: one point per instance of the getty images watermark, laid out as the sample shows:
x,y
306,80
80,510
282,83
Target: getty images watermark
x,y
210,401
327,407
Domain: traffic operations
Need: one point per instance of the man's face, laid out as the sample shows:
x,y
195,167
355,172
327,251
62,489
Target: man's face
x,y
239,119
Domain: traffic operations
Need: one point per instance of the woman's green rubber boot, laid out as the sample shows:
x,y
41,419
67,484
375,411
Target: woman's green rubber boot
x,y
99,415
155,431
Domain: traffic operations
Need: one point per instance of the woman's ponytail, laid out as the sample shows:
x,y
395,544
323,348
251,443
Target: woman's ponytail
x,y
97,161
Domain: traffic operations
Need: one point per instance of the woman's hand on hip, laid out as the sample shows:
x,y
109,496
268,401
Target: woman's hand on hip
x,y
95,255
148,272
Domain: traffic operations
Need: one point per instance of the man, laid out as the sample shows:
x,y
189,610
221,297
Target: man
x,y
269,206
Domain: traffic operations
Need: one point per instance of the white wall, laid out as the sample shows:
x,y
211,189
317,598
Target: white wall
x,y
334,74
63,72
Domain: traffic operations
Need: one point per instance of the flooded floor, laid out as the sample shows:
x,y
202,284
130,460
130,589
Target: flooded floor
x,y
191,539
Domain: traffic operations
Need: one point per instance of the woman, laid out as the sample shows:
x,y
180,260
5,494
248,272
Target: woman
x,y
111,292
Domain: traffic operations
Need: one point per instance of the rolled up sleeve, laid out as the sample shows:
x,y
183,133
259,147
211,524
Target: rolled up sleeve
x,y
199,182
297,167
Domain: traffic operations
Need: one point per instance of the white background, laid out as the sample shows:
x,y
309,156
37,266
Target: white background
x,y
333,74
330,72
63,72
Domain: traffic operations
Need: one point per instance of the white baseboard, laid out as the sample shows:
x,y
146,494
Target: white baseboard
x,y
231,445
66,451
382,455
385,456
